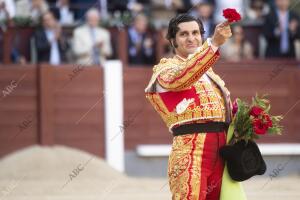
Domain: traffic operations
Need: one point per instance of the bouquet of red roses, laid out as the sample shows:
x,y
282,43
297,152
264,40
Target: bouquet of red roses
x,y
242,155
251,121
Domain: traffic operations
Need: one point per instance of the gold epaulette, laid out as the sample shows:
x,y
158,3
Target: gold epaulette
x,y
164,63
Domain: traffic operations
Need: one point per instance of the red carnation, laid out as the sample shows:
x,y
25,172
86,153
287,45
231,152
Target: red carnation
x,y
231,15
267,120
259,128
256,111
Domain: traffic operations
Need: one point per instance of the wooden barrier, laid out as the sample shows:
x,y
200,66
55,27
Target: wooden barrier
x,y
52,105
18,108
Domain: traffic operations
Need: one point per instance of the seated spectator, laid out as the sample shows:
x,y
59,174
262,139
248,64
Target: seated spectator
x,y
91,43
163,11
7,9
81,7
141,45
50,44
257,10
31,8
116,5
17,57
138,6
111,6
204,11
186,6
167,48
237,48
281,30
63,12
107,7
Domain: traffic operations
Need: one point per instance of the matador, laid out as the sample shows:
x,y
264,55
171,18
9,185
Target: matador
x,y
195,105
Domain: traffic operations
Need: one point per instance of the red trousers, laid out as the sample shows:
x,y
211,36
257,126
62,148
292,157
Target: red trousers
x,y
195,167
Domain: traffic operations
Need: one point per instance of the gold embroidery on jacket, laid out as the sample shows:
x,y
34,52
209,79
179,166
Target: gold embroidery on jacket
x,y
212,101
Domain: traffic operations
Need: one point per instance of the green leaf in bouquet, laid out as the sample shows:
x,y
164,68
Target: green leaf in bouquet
x,y
276,119
243,121
267,110
277,129
261,101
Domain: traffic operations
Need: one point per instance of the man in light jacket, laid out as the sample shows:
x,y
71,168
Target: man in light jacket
x,y
91,43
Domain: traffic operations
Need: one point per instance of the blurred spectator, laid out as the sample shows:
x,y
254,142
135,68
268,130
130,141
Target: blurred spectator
x,y
196,2
106,7
50,44
167,48
138,6
63,12
81,7
124,5
17,57
163,11
257,10
281,29
31,8
117,5
7,9
221,4
141,45
205,11
237,48
135,6
187,6
91,44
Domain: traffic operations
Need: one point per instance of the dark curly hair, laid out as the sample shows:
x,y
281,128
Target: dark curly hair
x,y
173,25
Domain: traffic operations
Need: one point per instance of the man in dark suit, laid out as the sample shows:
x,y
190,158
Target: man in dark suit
x,y
204,11
63,12
281,29
50,44
105,6
140,43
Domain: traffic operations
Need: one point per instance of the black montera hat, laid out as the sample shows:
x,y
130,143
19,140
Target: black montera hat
x,y
243,160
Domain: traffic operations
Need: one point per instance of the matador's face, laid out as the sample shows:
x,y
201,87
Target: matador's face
x,y
187,39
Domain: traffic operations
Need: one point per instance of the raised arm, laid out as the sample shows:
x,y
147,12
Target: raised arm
x,y
178,76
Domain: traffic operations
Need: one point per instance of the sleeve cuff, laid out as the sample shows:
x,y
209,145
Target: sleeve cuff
x,y
214,48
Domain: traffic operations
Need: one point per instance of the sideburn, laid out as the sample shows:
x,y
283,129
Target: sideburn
x,y
174,44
